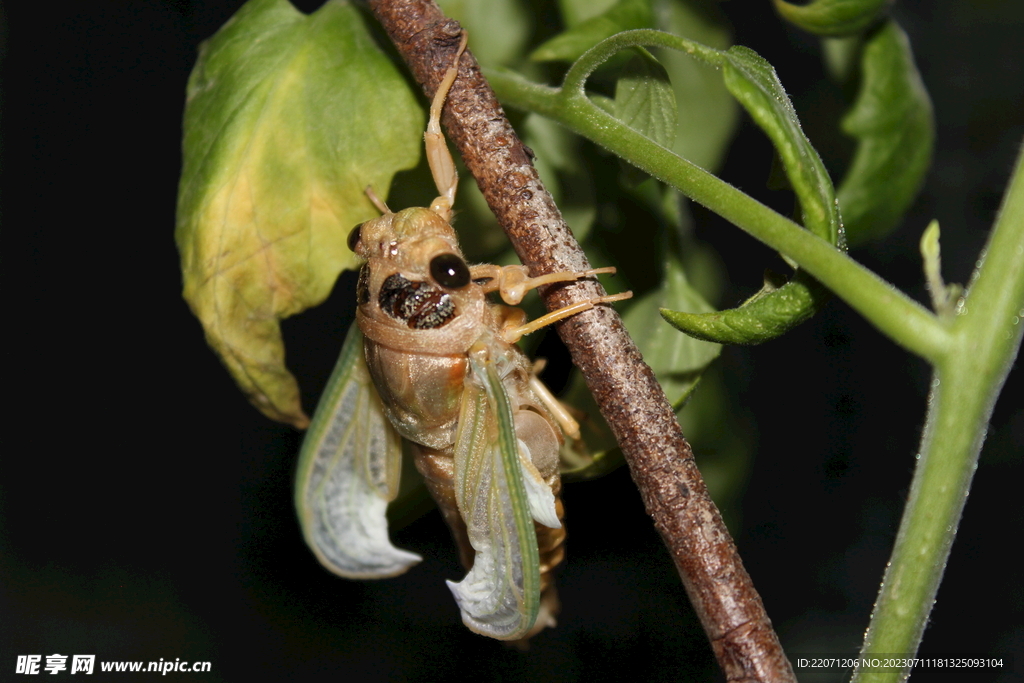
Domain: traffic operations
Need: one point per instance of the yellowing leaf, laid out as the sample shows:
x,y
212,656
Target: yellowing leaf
x,y
288,118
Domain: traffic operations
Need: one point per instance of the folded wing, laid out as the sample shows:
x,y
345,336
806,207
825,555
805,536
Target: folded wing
x,y
500,596
348,471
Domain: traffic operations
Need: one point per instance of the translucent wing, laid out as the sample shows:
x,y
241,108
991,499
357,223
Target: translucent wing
x,y
349,468
500,596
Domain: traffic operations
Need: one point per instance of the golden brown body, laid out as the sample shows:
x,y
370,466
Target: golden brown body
x,y
421,395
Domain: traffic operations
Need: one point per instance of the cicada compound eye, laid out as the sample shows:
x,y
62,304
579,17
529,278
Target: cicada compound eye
x,y
449,271
353,237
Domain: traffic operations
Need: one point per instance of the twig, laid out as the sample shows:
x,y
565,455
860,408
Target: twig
x,y
629,396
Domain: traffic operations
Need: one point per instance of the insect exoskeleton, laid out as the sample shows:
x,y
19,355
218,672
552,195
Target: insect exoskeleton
x,y
422,312
432,360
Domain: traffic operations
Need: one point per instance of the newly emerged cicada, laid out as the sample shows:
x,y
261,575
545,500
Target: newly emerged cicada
x,y
431,360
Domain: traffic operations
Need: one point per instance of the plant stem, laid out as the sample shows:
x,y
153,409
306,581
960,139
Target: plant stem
x,y
626,390
891,311
986,337
971,354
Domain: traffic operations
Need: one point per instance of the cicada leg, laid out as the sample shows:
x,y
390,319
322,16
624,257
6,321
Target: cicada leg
x,y
514,334
513,282
558,410
442,167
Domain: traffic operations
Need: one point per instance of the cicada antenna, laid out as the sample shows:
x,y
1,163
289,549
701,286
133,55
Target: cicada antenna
x,y
377,201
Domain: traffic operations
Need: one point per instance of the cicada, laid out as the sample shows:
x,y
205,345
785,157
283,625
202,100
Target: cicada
x,y
433,361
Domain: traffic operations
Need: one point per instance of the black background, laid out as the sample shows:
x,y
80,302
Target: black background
x,y
145,508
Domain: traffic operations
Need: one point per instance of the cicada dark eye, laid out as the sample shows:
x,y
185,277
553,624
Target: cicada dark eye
x,y
450,271
353,237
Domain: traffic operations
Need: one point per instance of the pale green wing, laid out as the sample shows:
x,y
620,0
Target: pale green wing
x,y
349,468
500,596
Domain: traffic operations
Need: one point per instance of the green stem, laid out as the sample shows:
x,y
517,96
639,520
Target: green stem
x,y
986,337
895,314
972,353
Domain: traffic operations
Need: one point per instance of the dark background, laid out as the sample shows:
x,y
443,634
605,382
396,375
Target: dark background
x,y
145,508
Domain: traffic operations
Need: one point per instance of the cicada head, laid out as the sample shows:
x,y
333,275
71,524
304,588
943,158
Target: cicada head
x,y
406,237
415,275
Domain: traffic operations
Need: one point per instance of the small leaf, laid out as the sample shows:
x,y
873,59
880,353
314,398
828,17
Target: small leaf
x,y
842,56
770,313
644,99
575,12
676,360
773,311
288,118
892,121
569,45
944,297
833,17
753,82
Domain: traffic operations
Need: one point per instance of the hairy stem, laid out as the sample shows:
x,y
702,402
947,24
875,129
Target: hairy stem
x,y
986,338
895,314
626,390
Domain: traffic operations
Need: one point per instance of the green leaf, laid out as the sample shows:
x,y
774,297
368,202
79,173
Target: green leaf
x,y
644,99
575,12
569,45
768,314
754,83
775,309
892,122
707,113
842,56
677,362
834,17
288,118
498,29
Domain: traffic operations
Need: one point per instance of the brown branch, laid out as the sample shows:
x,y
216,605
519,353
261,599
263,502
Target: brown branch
x,y
629,396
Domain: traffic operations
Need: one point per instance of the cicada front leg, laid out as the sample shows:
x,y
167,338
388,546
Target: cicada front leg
x,y
442,166
513,282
